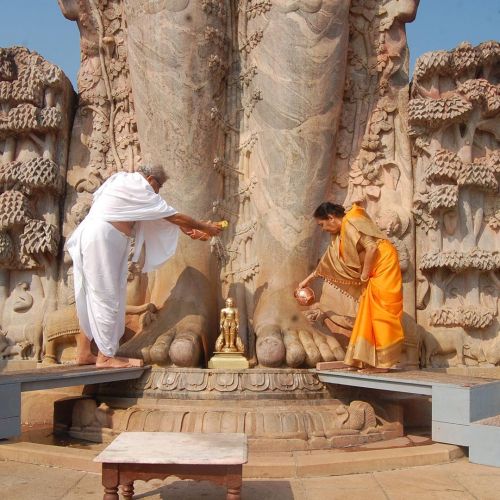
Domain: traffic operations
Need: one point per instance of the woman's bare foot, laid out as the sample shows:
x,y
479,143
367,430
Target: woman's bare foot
x,y
373,369
86,359
117,362
345,368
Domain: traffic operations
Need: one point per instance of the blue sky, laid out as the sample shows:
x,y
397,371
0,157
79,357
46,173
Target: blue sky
x,y
440,24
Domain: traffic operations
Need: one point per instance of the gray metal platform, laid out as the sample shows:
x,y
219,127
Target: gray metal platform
x,y
14,382
462,406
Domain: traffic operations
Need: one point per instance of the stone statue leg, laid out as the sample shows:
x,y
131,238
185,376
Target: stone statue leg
x,y
173,49
300,61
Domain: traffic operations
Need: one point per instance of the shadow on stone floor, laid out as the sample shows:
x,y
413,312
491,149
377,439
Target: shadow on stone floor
x,y
197,490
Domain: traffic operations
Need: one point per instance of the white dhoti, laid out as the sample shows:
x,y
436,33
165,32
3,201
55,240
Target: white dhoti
x,y
100,253
101,304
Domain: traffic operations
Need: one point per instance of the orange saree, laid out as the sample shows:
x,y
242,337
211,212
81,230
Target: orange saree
x,y
377,336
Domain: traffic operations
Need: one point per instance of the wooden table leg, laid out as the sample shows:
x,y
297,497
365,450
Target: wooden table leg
x,y
234,482
110,481
128,490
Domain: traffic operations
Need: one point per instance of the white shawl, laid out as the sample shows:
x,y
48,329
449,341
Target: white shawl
x,y
129,197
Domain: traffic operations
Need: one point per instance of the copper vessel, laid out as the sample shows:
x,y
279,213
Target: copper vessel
x,y
304,296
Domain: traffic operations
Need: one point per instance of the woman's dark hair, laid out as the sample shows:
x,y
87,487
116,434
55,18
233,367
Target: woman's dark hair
x,y
327,208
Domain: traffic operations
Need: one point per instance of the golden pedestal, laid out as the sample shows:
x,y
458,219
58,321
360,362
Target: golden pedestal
x,y
228,360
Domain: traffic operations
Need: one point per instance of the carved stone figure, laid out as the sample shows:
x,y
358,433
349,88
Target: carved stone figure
x,y
229,340
254,129
359,416
90,418
61,328
454,115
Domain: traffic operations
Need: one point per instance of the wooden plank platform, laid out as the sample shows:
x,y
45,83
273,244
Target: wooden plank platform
x,y
14,382
459,404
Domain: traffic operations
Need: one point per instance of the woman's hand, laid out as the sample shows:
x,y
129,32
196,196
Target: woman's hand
x,y
305,282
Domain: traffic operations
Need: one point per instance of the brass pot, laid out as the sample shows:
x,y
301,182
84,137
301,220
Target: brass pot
x,y
304,296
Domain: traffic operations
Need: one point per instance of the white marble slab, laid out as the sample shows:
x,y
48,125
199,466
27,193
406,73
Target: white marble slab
x,y
176,448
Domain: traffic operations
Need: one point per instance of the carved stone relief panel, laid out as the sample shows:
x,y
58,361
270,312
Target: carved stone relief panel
x,y
35,118
454,114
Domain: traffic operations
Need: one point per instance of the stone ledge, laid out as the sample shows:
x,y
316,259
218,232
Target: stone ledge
x,y
50,455
260,465
358,462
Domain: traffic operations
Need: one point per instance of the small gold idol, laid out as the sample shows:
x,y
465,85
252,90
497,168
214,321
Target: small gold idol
x,y
229,348
229,340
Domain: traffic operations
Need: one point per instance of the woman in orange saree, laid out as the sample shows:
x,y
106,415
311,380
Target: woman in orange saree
x,y
361,262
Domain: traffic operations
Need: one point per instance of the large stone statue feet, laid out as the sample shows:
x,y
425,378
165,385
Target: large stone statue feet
x,y
285,337
180,345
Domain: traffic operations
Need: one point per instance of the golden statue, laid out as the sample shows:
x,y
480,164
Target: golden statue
x,y
228,340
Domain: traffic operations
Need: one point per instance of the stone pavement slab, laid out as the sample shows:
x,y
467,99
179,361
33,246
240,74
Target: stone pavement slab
x,y
353,487
411,483
453,481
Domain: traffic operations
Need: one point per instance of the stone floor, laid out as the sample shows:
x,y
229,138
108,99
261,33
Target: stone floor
x,y
454,481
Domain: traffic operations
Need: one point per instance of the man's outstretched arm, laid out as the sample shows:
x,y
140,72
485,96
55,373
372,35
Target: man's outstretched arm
x,y
185,221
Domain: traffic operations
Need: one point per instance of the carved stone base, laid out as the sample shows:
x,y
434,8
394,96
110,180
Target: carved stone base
x,y
228,360
279,410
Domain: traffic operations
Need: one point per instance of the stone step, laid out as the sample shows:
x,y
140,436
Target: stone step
x,y
260,465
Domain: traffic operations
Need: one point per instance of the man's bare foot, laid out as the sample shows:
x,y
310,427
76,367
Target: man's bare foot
x,y
86,359
117,362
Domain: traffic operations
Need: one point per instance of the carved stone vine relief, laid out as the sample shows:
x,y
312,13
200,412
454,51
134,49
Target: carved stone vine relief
x,y
35,114
454,115
104,137
373,160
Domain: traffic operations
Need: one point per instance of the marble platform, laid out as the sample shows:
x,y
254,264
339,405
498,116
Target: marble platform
x,y
176,448
215,457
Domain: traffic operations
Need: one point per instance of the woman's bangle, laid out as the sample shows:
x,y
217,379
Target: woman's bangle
x,y
364,280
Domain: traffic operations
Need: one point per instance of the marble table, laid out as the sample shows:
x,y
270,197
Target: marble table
x,y
216,457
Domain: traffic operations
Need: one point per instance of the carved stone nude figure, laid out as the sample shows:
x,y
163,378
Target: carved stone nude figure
x,y
240,103
189,106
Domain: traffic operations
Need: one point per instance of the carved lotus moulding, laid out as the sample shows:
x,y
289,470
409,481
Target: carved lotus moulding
x,y
172,382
